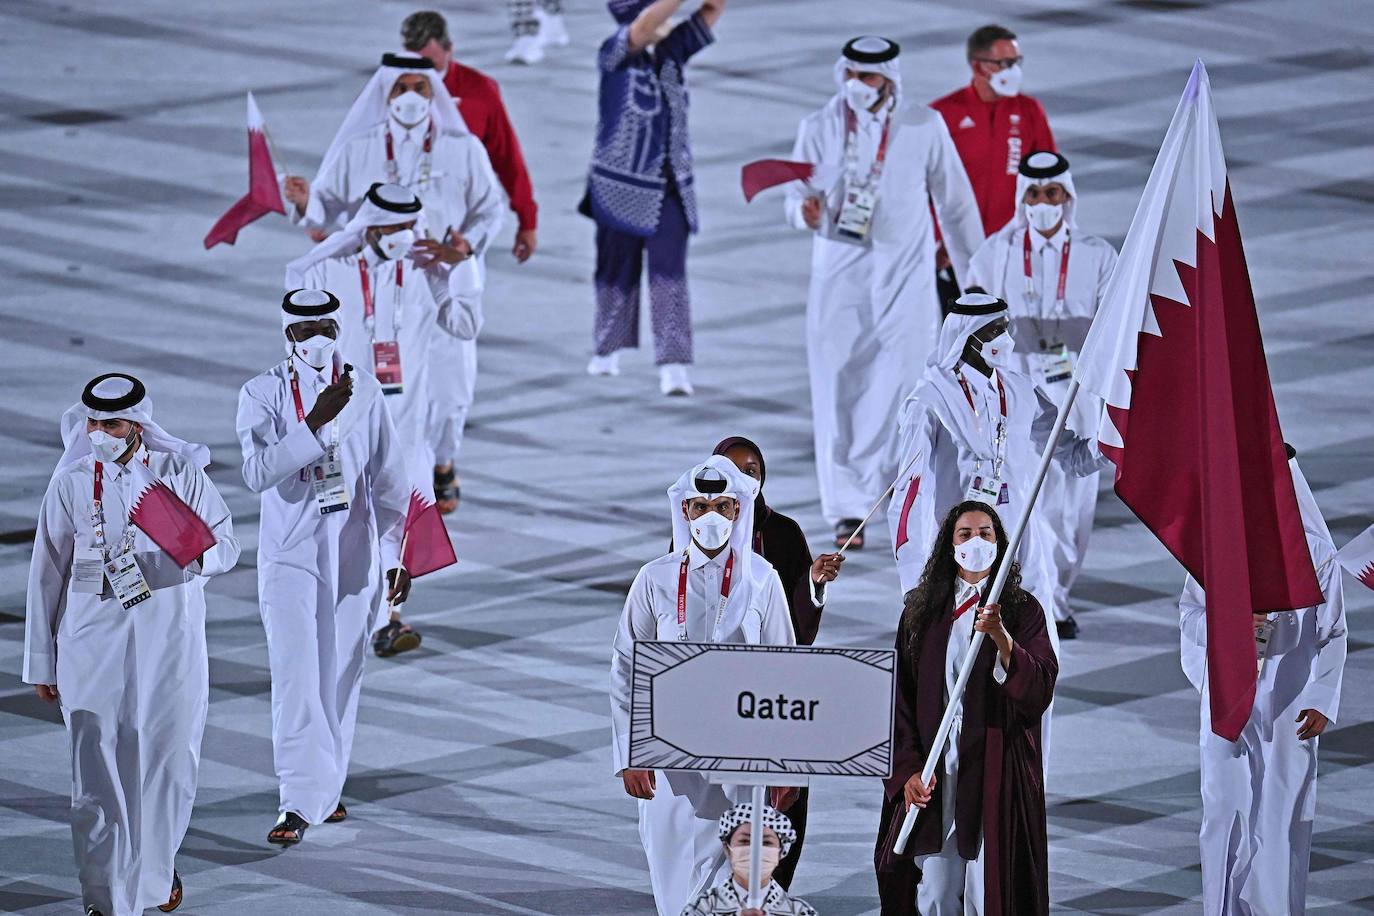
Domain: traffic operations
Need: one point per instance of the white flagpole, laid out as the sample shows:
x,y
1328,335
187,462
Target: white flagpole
x,y
756,850
1013,542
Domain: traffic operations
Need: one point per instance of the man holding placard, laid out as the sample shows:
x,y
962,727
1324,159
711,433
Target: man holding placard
x,y
711,587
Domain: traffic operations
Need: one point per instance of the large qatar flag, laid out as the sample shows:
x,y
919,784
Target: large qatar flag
x,y
1176,353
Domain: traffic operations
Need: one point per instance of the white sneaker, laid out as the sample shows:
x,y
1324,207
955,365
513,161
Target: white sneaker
x,y
552,31
526,50
673,380
604,365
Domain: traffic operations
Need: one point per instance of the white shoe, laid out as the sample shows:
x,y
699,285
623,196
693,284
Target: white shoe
x,y
673,380
526,50
552,31
604,365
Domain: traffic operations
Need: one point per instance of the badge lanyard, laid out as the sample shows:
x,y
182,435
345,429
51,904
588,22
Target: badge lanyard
x,y
393,172
370,303
851,152
98,513
1063,275
682,595
999,442
300,408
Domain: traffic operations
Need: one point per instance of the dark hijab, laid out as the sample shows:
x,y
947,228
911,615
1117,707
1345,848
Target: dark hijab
x,y
761,510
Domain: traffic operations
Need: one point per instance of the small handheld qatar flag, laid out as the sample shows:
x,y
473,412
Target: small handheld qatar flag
x,y
1176,352
1358,557
263,197
167,520
763,174
425,546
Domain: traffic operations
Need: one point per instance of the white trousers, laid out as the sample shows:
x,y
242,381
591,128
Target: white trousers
x,y
1259,798
452,384
945,875
1066,509
678,828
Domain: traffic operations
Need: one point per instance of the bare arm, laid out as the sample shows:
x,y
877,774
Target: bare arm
x,y
647,23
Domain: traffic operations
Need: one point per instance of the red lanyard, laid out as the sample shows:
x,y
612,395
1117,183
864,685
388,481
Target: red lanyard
x,y
391,152
851,126
369,301
968,604
97,500
296,391
968,394
682,593
1063,265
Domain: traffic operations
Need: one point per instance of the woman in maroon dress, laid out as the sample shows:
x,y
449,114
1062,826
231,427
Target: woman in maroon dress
x,y
981,834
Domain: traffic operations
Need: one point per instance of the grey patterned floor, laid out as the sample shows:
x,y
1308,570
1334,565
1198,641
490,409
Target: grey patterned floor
x,y
481,776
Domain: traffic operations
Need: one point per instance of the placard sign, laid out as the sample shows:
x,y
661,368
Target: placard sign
x,y
762,709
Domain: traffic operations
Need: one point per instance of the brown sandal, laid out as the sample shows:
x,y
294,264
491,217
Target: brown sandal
x,y
340,813
174,900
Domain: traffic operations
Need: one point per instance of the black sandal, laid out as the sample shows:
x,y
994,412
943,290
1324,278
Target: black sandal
x,y
845,529
394,638
289,831
447,493
340,813
174,900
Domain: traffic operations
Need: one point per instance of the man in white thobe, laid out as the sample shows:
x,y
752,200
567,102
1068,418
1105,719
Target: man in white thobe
x,y
712,508
398,292
872,312
132,676
1259,793
1052,277
404,128
319,445
972,429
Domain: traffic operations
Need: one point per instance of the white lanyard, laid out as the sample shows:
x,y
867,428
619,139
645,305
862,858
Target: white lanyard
x,y
998,441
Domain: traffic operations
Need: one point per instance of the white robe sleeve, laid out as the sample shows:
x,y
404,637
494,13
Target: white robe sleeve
x,y
912,524
776,623
960,223
458,293
1323,690
268,459
49,574
1192,625
390,483
982,268
637,621
1079,457
806,149
328,197
484,200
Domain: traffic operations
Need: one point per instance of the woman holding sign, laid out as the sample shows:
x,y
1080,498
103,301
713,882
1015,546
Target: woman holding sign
x,y
987,803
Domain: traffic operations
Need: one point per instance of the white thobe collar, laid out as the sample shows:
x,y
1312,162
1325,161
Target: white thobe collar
x,y
977,381
404,135
307,373
1056,241
113,470
964,589
697,558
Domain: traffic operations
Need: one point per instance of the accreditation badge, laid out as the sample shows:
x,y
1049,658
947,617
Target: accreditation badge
x,y
327,480
126,579
88,571
988,490
856,215
1053,362
386,365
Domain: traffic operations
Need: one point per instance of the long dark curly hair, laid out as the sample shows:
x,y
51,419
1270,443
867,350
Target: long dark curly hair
x,y
934,594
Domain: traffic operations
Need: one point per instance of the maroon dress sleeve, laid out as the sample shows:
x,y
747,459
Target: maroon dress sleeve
x,y
908,754
1030,679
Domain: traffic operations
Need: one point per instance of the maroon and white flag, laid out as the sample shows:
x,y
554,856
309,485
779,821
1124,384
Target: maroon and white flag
x,y
762,174
1176,353
167,520
1357,557
425,545
264,195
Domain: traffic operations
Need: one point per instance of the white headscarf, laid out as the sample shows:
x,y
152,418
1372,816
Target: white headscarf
x,y
1312,521
743,488
970,313
372,107
866,54
116,396
1044,168
383,205
307,305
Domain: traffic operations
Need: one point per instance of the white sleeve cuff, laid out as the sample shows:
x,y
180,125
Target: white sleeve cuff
x,y
817,591
999,671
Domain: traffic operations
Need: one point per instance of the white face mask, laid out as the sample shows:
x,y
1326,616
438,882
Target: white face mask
x,y
768,863
316,352
395,245
1007,83
711,530
860,95
1044,216
976,554
108,448
997,352
409,108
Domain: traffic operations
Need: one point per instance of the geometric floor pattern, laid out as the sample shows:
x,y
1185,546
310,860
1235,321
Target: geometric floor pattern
x,y
481,781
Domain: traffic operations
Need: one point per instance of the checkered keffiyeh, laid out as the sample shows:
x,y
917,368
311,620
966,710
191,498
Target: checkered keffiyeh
x,y
773,819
